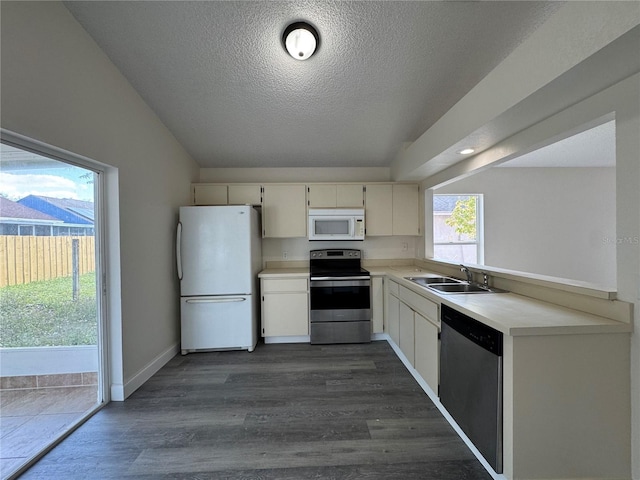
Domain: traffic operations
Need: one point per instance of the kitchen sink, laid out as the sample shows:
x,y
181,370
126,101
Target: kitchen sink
x,y
451,285
462,287
426,281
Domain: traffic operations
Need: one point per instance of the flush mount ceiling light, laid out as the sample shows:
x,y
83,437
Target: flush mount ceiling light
x,y
467,151
301,40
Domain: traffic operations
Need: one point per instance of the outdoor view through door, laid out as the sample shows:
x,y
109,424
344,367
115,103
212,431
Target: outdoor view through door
x,y
50,355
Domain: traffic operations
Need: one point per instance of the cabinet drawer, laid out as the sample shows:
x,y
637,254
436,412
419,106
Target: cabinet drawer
x,y
284,285
393,288
424,306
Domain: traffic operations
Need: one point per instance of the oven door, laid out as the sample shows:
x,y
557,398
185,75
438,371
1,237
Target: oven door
x,y
340,299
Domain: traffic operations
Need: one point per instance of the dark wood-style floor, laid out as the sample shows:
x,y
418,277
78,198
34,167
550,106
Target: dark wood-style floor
x,y
292,411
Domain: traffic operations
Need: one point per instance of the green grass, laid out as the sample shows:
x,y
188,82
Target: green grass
x,y
41,314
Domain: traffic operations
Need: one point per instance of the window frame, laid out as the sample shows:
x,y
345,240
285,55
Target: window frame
x,y
478,242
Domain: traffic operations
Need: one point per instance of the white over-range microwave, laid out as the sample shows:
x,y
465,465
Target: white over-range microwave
x,y
336,224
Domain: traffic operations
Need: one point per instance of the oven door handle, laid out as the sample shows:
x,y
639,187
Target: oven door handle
x,y
363,277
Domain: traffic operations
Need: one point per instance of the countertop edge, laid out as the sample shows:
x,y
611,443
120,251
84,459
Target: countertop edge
x,y
593,324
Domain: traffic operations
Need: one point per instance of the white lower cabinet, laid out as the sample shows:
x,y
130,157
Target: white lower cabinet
x,y
413,323
285,307
393,314
407,335
377,304
427,351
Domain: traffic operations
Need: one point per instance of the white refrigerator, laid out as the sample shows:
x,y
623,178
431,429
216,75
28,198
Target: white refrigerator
x,y
218,252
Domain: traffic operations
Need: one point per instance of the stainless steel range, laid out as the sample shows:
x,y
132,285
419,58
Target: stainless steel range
x,y
340,297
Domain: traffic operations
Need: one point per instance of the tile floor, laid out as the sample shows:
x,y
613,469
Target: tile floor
x,y
31,418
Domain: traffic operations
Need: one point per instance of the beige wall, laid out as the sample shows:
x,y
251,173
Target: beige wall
x,y
59,88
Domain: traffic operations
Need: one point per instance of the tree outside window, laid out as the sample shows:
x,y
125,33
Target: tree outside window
x,y
456,227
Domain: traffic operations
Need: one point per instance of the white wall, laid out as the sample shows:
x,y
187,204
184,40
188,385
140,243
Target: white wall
x,y
59,88
551,221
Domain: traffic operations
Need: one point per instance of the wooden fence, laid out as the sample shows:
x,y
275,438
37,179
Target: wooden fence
x,y
25,259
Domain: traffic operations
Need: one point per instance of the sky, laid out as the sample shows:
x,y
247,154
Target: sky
x,y
25,173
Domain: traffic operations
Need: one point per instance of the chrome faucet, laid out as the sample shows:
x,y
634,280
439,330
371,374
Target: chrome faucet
x,y
467,272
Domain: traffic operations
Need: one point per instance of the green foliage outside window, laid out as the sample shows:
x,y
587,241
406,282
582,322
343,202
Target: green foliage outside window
x,y
463,218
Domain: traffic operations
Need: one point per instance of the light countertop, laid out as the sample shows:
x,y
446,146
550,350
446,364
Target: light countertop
x,y
284,272
509,313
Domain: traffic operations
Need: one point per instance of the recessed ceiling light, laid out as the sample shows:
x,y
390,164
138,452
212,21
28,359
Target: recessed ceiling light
x,y
467,151
301,40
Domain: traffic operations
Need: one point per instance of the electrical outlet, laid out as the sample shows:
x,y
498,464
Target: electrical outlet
x,y
405,246
285,254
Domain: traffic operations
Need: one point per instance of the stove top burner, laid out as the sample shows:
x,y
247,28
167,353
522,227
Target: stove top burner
x,y
330,272
336,263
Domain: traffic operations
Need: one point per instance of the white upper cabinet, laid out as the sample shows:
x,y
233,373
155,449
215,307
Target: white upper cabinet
x,y
378,210
245,195
205,194
219,194
284,211
337,195
405,210
321,196
392,209
350,196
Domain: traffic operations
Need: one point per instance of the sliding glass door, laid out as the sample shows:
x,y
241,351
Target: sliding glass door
x,y
51,332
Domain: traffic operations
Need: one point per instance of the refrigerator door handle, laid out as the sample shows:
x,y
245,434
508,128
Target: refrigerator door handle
x,y
215,300
179,250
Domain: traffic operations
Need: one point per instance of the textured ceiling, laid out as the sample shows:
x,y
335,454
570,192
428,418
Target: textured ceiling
x,y
217,76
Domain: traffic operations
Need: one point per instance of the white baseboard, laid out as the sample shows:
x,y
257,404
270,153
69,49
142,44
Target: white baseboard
x,y
117,392
292,339
121,392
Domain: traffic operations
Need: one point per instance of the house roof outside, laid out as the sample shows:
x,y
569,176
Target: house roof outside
x,y
77,212
14,212
445,203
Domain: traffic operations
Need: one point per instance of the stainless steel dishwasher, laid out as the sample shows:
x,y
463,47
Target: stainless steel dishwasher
x,y
471,381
